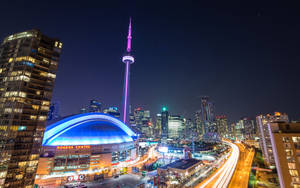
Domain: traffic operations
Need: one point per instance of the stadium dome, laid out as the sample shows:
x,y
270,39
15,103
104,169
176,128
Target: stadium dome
x,y
88,129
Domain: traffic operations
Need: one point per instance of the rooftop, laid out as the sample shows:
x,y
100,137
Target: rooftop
x,y
181,164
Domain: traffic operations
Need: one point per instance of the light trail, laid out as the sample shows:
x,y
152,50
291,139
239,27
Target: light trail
x,y
225,173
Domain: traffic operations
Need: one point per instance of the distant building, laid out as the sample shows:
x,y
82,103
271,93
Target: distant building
x,y
113,111
264,134
285,141
221,124
54,111
205,117
94,106
190,130
158,129
176,127
249,128
164,123
142,121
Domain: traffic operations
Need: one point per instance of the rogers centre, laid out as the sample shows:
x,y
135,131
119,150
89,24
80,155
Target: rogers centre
x,y
91,143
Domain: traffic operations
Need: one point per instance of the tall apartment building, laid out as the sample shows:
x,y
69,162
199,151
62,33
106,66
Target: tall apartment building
x,y
285,140
28,65
264,135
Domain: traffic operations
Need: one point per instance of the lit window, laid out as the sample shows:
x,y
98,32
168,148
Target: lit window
x,y
292,165
18,110
293,172
35,107
26,58
296,139
2,174
33,117
42,118
19,176
295,179
45,108
46,103
289,152
7,110
285,139
22,164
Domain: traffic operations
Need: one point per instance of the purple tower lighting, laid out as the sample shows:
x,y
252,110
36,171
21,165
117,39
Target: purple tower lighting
x,y
127,59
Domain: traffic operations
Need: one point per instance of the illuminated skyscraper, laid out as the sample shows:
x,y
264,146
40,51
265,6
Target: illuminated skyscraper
x,y
176,126
128,59
222,127
164,123
28,65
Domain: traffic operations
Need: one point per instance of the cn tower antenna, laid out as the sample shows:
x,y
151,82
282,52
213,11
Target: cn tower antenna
x,y
128,59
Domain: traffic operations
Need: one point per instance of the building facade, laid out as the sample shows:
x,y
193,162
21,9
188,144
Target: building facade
x,y
164,123
285,140
222,127
54,111
94,106
176,127
142,121
264,134
28,65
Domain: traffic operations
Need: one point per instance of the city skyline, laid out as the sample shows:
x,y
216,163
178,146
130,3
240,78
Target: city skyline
x,y
245,59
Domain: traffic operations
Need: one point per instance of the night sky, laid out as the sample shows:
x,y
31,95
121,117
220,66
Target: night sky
x,y
244,56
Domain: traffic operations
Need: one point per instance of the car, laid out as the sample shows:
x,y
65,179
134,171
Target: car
x,y
116,176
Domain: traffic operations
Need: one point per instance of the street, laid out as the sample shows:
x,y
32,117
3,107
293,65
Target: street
x,y
242,172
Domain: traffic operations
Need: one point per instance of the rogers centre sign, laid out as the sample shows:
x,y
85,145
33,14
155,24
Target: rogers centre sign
x,y
73,147
76,178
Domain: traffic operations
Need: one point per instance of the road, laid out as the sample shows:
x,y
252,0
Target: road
x,y
241,175
124,181
221,177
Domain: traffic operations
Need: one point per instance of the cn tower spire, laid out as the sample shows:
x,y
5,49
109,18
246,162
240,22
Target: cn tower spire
x,y
128,59
129,37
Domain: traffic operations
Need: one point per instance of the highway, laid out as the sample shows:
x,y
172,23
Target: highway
x,y
221,178
242,172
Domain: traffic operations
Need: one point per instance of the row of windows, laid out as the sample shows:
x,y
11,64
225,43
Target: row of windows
x,y
17,78
15,94
10,110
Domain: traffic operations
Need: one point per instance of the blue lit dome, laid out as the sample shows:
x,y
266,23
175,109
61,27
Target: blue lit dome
x,y
88,129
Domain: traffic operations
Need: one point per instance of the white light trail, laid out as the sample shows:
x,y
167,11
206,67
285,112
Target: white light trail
x,y
226,171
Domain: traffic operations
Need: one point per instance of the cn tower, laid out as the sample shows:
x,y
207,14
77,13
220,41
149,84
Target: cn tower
x,y
128,59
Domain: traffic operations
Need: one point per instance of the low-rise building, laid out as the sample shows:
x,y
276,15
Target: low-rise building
x,y
179,171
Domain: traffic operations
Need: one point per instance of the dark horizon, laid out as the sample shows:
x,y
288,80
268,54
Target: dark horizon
x,y
244,56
